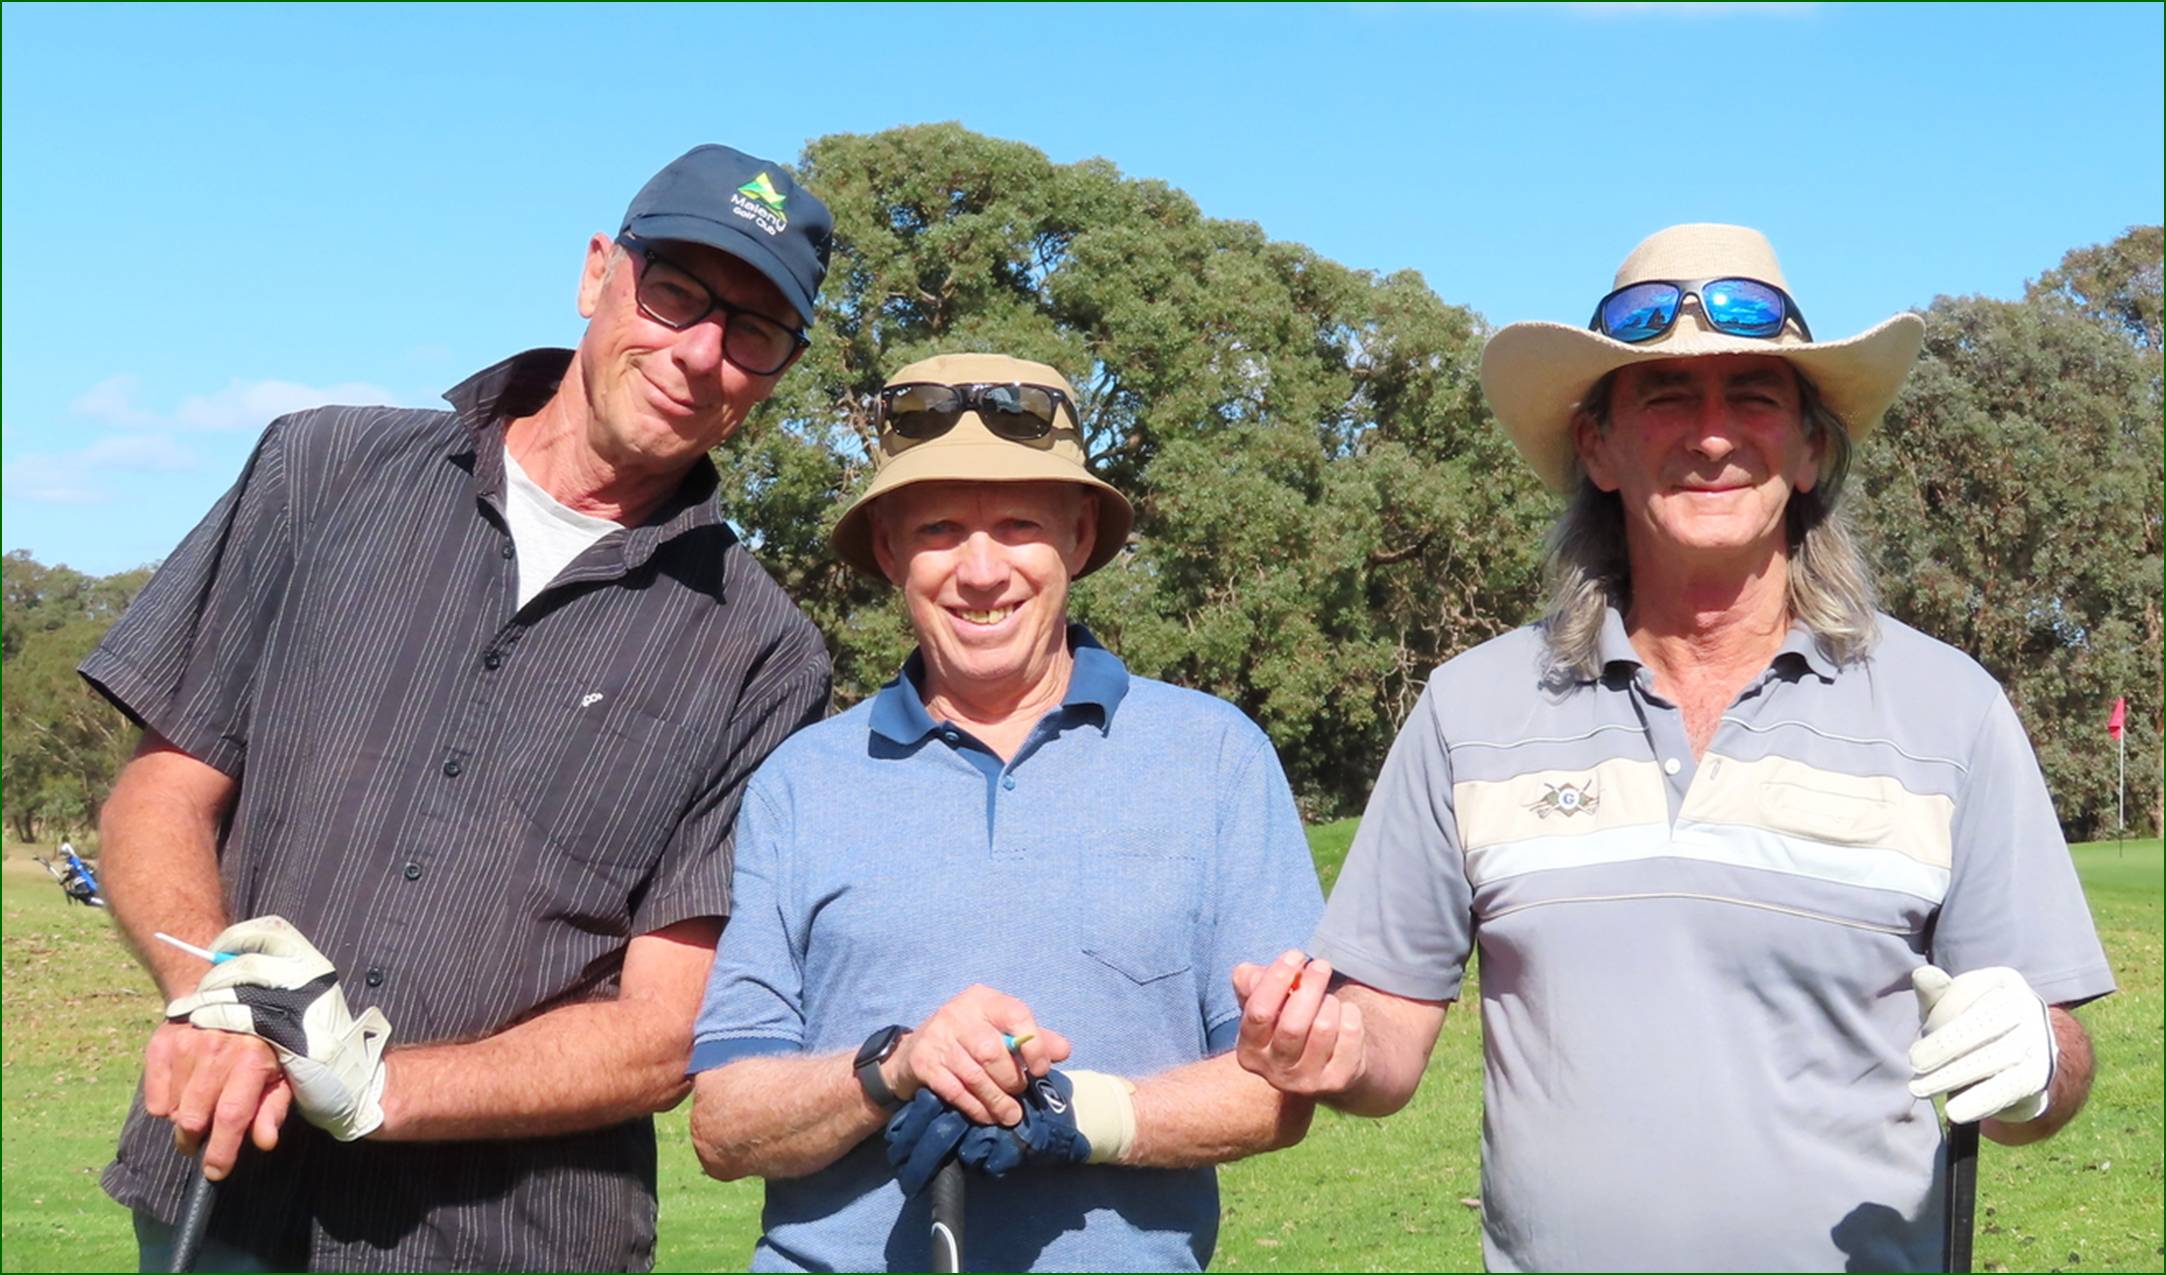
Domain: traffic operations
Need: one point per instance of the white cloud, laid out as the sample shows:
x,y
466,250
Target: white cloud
x,y
82,477
151,440
112,401
249,405
253,404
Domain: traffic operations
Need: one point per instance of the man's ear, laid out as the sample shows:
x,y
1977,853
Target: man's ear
x,y
1587,440
1816,454
883,554
601,250
1086,531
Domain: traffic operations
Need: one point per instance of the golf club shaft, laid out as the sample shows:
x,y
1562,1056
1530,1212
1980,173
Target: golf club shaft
x,y
195,1218
1962,1192
948,1218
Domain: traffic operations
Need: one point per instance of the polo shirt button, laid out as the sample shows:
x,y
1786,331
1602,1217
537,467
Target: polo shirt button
x,y
413,872
951,737
1007,781
1672,766
507,550
452,768
491,660
376,977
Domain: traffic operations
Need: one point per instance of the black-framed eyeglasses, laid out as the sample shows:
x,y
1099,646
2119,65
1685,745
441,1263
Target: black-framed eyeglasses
x,y
1013,410
1740,307
674,297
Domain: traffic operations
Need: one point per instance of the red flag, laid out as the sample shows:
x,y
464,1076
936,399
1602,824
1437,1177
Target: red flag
x,y
2116,723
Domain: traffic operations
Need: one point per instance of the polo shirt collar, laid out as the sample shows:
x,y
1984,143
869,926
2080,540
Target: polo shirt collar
x,y
1799,644
519,386
1098,682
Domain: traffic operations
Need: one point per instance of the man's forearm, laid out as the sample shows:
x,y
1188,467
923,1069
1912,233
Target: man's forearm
x,y
1401,1034
2070,1090
1211,1112
780,1116
576,1067
158,858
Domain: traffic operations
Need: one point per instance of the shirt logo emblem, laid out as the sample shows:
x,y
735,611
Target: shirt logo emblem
x,y
1565,800
590,699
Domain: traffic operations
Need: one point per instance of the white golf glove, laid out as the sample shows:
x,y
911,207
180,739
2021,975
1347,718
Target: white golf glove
x,y
283,991
1987,1043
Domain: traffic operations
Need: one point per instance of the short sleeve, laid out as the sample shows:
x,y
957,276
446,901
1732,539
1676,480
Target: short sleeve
x,y
755,1002
1266,899
1401,914
693,877
182,660
2013,898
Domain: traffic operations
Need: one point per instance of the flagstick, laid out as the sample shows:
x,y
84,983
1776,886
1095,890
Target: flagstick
x,y
2120,807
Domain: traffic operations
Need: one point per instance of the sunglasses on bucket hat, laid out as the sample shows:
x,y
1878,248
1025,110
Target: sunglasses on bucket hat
x,y
1640,312
1016,411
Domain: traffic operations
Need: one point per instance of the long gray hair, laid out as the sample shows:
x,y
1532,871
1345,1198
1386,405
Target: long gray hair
x,y
1830,584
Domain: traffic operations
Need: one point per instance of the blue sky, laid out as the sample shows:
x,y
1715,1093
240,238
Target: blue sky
x,y
213,215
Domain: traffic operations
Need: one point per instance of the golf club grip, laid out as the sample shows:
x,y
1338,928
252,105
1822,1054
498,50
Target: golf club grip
x,y
1962,1192
948,1218
195,1218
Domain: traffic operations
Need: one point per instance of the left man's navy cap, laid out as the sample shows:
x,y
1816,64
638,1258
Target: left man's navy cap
x,y
750,208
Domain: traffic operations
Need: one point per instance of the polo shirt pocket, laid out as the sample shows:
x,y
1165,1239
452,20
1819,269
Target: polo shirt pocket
x,y
1821,814
1140,913
607,786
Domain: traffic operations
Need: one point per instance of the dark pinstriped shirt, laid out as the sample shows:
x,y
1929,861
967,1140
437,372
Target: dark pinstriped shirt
x,y
470,806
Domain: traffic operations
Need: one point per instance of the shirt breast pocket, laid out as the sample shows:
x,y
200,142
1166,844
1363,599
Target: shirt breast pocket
x,y
1817,814
1142,912
606,787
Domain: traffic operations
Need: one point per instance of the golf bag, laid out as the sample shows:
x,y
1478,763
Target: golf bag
x,y
76,879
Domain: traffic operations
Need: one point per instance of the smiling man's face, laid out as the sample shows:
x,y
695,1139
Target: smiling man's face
x,y
984,567
1703,452
658,398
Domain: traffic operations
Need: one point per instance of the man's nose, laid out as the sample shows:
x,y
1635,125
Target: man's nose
x,y
1713,434
984,566
698,349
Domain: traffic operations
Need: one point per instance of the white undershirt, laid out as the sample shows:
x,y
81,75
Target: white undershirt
x,y
548,534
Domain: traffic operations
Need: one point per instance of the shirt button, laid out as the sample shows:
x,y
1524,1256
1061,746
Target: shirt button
x,y
375,978
1008,782
491,660
413,872
506,550
1672,766
452,768
951,737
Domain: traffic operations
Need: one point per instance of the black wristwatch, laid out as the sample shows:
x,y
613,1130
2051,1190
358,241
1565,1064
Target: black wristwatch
x,y
877,1049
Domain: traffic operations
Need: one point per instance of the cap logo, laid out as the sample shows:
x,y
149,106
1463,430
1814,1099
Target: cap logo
x,y
758,202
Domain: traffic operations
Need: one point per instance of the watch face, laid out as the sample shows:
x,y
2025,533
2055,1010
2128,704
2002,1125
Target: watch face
x,y
877,1047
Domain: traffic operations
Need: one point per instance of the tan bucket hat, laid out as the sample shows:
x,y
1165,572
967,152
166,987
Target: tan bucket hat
x,y
972,453
1535,374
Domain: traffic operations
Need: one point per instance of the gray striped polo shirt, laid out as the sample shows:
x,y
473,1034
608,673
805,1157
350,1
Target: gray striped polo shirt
x,y
1695,974
469,805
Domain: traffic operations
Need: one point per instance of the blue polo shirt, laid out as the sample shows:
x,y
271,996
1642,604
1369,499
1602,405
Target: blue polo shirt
x,y
1141,843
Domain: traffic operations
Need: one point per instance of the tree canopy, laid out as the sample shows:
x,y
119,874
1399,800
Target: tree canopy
x,y
1325,509
62,743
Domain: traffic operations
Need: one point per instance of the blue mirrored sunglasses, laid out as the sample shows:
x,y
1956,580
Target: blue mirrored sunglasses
x,y
1643,311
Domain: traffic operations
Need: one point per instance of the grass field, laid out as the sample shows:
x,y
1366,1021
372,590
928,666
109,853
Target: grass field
x,y
1395,1194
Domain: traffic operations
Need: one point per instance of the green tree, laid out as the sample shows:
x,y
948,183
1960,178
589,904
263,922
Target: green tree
x,y
60,743
1324,508
2013,504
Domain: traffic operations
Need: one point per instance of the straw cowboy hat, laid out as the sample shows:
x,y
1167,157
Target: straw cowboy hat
x,y
1535,374
971,452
